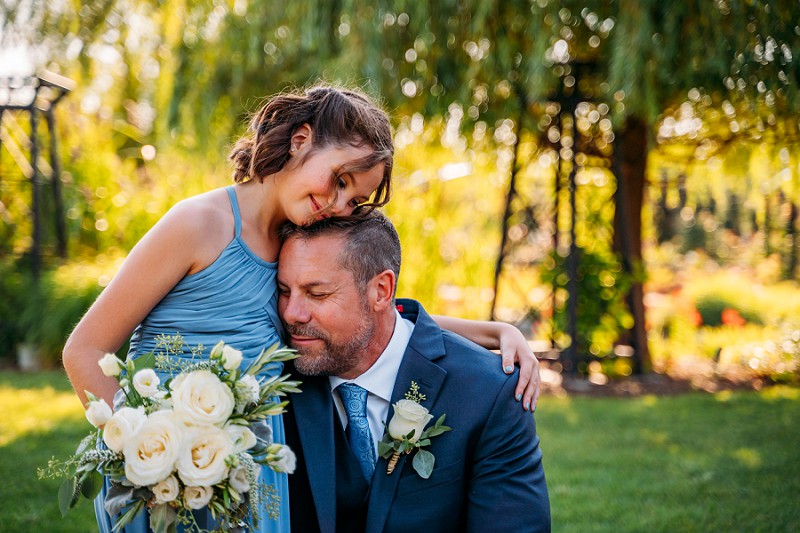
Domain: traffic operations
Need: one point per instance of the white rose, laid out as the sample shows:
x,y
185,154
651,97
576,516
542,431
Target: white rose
x,y
249,389
98,412
201,399
202,460
197,497
121,426
151,453
408,415
242,438
166,490
287,460
238,480
146,382
110,365
231,358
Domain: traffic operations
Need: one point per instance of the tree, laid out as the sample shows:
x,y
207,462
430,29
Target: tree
x,y
483,65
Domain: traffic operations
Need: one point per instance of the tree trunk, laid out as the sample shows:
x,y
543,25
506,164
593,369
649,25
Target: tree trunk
x,y
791,240
630,162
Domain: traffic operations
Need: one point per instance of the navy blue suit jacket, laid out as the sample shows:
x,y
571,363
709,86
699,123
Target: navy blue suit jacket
x,y
488,474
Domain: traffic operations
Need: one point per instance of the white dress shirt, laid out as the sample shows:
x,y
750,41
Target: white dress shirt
x,y
378,380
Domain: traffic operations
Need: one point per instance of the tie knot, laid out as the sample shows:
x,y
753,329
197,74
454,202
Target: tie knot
x,y
354,399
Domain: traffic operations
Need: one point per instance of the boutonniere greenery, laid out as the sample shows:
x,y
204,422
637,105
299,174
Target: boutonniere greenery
x,y
406,433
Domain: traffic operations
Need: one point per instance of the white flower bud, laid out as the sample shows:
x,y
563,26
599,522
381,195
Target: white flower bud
x,y
110,365
98,412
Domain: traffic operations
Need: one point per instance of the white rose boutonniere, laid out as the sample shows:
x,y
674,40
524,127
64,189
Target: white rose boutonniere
x,y
406,432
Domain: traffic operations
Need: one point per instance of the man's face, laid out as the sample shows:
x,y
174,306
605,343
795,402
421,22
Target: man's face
x,y
325,314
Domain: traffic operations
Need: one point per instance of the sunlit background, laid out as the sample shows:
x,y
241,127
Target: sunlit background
x,y
619,179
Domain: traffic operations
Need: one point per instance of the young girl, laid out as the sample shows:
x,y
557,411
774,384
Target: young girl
x,y
207,268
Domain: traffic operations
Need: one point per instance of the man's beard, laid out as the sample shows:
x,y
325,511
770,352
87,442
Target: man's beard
x,y
332,359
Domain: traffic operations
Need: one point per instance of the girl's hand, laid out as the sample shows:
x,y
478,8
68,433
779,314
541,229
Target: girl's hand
x,y
514,348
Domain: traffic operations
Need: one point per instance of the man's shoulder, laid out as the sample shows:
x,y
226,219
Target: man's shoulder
x,y
472,363
462,357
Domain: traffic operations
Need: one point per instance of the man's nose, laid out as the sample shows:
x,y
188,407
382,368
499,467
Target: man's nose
x,y
295,311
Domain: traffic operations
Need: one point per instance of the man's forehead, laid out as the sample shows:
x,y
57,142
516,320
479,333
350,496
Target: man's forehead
x,y
313,257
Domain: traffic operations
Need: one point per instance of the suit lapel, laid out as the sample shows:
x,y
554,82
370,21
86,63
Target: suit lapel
x,y
314,413
418,365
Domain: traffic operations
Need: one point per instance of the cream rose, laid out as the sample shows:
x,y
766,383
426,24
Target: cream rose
x,y
408,415
151,453
98,413
110,365
166,490
146,382
121,426
242,438
231,358
202,461
197,497
238,479
201,399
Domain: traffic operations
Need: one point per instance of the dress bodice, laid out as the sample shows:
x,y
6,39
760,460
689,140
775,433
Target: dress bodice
x,y
234,299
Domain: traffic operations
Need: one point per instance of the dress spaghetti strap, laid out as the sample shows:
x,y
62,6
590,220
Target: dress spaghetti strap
x,y
237,217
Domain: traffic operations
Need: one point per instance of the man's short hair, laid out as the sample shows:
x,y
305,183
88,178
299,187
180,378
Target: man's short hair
x,y
371,244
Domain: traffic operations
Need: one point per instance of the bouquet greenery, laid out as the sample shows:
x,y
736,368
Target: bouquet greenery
x,y
191,443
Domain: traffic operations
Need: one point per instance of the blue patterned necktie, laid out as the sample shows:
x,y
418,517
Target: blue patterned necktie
x,y
354,399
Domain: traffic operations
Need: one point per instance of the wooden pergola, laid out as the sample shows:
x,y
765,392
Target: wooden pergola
x,y
36,96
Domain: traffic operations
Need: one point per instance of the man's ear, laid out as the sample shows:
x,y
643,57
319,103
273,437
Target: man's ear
x,y
380,290
301,137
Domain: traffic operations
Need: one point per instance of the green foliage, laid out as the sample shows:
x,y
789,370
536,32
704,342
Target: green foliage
x,y
755,303
12,300
601,309
713,306
52,306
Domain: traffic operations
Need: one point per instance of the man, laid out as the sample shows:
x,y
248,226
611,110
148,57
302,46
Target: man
x,y
336,282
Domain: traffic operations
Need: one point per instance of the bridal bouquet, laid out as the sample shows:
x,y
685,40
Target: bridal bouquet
x,y
192,442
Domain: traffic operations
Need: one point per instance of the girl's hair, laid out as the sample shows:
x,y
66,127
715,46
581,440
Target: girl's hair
x,y
337,117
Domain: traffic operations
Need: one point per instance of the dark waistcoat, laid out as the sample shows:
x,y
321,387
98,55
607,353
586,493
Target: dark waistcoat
x,y
352,490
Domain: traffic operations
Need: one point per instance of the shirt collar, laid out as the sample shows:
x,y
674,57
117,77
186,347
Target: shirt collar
x,y
380,377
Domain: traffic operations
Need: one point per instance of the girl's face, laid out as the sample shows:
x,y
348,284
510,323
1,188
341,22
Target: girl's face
x,y
307,192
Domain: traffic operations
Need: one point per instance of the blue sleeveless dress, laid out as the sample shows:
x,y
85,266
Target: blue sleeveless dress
x,y
234,299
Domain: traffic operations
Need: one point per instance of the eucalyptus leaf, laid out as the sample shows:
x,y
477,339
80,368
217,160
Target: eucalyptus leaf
x,y
85,443
66,495
436,431
162,516
385,449
423,463
91,485
147,360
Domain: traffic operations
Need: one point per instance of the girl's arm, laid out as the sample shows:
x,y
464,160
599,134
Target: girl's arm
x,y
513,348
155,265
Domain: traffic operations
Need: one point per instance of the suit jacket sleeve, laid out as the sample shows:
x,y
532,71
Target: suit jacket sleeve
x,y
507,489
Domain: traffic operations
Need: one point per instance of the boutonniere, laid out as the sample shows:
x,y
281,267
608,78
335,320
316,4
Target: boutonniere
x,y
406,432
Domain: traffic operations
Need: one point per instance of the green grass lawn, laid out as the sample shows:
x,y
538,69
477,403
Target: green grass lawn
x,y
698,462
